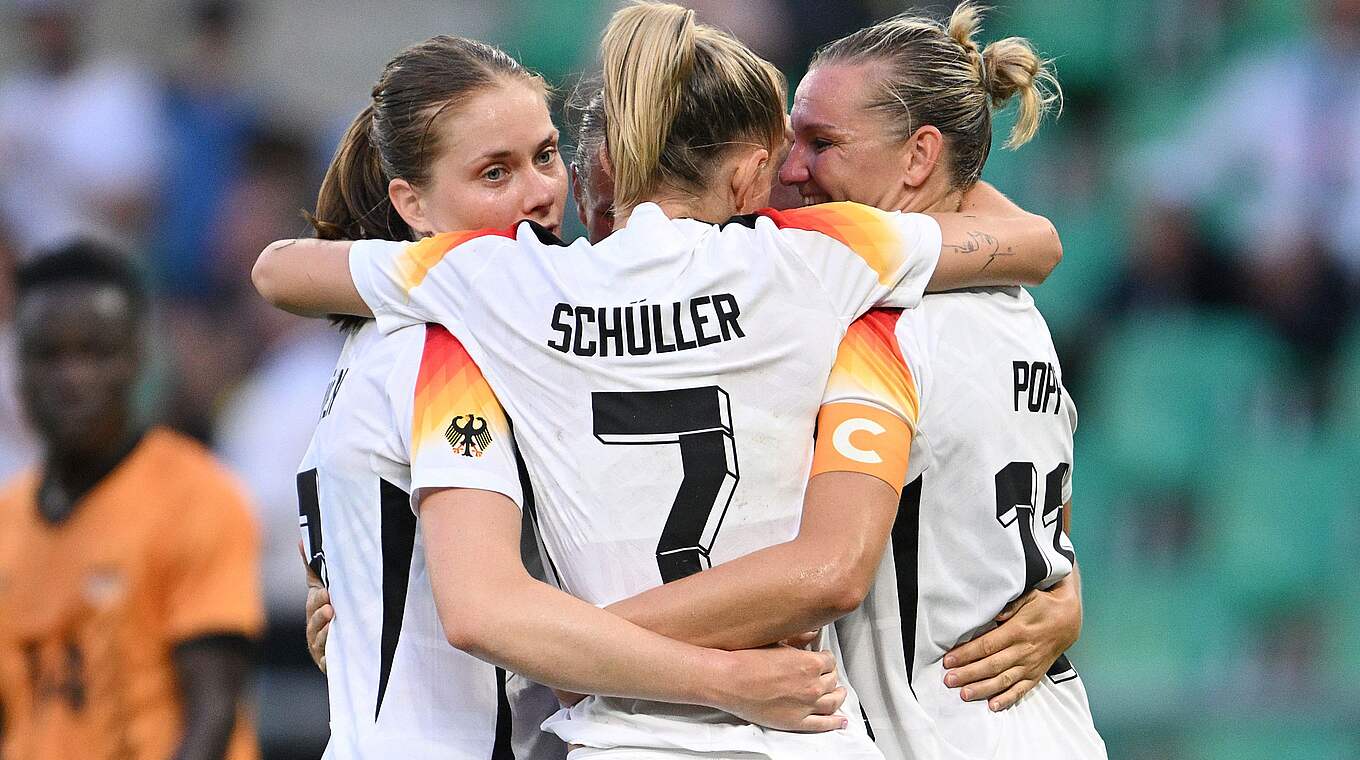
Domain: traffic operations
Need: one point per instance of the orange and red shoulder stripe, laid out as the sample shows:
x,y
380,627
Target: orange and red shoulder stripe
x,y
867,231
448,384
870,365
417,259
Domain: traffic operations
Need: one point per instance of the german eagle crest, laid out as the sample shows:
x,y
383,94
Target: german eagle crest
x,y
469,435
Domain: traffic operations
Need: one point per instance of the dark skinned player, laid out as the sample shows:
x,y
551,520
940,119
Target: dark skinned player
x,y
129,592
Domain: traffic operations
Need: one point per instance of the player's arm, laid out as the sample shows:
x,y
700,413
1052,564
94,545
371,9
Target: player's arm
x,y
1003,664
492,608
864,256
992,241
309,277
211,672
399,283
864,437
796,586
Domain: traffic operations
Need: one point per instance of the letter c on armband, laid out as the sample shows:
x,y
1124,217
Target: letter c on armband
x,y
846,448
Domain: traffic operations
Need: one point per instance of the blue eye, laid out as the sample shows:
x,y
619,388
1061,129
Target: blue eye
x,y
495,174
547,156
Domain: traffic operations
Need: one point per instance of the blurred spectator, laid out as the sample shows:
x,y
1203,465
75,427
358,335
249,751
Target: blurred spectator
x,y
263,203
129,589
1273,152
79,136
1172,265
209,121
211,353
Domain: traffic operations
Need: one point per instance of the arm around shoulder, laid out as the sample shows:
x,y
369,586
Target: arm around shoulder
x,y
490,607
308,277
993,242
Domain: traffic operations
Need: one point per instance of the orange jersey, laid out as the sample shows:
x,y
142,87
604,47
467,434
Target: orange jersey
x,y
163,550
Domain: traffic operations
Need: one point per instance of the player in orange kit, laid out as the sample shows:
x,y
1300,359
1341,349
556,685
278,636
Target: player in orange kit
x,y
128,584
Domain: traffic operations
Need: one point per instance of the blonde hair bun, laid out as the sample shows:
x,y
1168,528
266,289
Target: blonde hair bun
x,y
1008,68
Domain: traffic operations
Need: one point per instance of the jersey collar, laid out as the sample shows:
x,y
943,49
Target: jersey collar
x,y
661,233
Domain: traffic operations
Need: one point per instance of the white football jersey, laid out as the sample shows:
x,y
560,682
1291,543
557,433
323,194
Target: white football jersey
x,y
980,524
405,410
664,384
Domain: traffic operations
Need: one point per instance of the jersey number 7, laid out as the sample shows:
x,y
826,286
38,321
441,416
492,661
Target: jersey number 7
x,y
699,421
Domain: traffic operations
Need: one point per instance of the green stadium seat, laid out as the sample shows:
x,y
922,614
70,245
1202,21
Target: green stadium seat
x,y
1152,642
1341,663
542,45
1260,24
1094,46
1275,519
1096,505
1271,738
1092,258
1169,389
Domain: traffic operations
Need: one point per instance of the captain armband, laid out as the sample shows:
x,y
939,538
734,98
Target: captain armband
x,y
863,438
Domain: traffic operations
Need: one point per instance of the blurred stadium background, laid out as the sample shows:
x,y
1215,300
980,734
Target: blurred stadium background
x,y
1205,175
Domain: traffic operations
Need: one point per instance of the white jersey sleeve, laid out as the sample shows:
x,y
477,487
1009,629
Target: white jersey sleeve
x,y
408,283
863,256
453,425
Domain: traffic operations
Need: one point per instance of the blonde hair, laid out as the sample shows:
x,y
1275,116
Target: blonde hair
x,y
935,74
677,94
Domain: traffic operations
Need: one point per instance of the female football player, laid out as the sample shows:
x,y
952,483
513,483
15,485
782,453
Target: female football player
x,y
898,115
915,96
458,135
693,118
1026,645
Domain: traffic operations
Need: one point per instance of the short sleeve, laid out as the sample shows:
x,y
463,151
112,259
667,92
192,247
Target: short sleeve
x,y
410,283
861,255
871,406
213,579
459,434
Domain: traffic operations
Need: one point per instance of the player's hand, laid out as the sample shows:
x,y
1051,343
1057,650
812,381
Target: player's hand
x,y
320,613
1003,664
784,688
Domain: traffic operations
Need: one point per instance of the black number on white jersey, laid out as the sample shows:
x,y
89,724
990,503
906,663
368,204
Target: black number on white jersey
x,y
309,519
699,420
1016,500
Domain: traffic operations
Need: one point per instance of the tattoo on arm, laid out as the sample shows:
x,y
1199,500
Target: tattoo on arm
x,y
981,242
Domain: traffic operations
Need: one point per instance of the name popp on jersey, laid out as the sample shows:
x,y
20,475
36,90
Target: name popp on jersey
x,y
1036,387
641,328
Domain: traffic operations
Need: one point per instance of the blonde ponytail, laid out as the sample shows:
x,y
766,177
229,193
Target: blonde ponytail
x,y
679,95
648,53
1011,68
